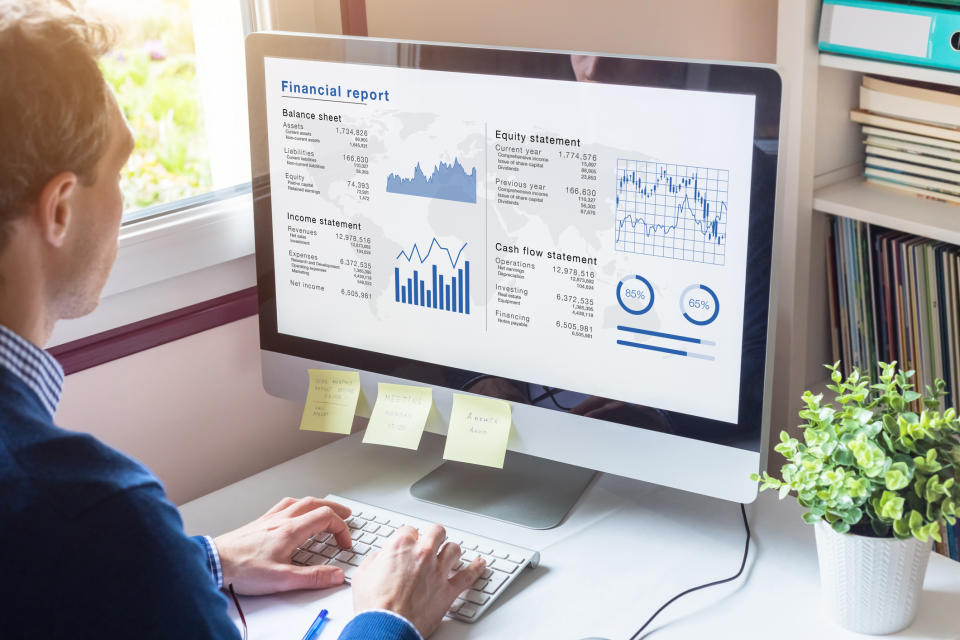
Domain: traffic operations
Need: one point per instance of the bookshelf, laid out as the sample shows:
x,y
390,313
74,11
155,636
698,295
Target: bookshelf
x,y
891,69
853,198
822,158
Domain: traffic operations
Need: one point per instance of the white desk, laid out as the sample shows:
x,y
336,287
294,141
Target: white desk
x,y
625,549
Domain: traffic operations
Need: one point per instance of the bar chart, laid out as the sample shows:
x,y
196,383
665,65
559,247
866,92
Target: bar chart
x,y
420,284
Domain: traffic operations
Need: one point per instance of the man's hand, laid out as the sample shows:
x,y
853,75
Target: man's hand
x,y
414,578
256,557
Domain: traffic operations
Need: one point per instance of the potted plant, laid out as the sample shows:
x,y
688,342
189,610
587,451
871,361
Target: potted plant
x,y
877,480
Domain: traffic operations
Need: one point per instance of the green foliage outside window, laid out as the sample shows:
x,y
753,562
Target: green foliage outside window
x,y
161,102
154,74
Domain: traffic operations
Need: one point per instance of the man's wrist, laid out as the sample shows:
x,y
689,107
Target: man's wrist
x,y
213,560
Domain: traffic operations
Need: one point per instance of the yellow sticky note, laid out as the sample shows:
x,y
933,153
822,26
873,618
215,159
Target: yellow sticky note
x,y
479,430
399,415
331,401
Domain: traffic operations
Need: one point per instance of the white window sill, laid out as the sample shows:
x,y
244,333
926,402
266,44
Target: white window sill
x,y
171,262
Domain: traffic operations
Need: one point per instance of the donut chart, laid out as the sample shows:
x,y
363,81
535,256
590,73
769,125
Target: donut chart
x,y
635,294
698,308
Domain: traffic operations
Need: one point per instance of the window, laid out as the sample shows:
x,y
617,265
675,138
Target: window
x,y
179,75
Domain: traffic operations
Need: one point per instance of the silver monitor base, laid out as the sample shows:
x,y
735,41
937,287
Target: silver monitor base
x,y
529,491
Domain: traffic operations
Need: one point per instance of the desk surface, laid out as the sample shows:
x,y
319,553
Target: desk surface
x,y
625,549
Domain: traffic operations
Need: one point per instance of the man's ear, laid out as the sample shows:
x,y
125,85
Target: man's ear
x,y
53,209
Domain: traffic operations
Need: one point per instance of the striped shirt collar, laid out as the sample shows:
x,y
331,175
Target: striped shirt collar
x,y
33,366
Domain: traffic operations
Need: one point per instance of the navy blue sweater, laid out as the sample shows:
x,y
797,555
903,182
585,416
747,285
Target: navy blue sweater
x,y
90,547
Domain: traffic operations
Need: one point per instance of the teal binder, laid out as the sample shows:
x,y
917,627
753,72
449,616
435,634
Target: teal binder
x,y
912,34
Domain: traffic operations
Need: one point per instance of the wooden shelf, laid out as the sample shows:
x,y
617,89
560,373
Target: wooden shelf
x,y
854,198
877,67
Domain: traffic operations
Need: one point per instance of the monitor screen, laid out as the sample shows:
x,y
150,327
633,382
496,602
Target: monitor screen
x,y
588,234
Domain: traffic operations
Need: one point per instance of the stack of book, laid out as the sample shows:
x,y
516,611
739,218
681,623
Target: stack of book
x,y
912,137
896,297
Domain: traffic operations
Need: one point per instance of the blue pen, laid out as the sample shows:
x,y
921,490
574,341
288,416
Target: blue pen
x,y
314,629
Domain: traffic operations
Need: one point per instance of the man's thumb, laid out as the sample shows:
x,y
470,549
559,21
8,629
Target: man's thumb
x,y
315,577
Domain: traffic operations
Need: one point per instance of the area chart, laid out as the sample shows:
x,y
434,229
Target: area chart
x,y
446,182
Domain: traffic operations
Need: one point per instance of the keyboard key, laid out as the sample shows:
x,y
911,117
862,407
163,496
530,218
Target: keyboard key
x,y
301,557
495,582
316,559
484,549
455,606
368,538
356,534
360,548
469,546
467,611
317,547
344,556
366,515
476,597
468,556
381,520
500,554
503,565
329,551
480,584
385,532
515,558
486,573
355,560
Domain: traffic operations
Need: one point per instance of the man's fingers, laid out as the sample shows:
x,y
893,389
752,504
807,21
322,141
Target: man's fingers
x,y
462,579
280,506
433,537
315,577
322,519
448,557
309,503
406,536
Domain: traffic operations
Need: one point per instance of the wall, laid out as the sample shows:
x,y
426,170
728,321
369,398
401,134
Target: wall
x,y
720,29
194,411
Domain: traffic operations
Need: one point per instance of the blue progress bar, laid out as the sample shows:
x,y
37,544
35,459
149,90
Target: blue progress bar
x,y
670,336
651,347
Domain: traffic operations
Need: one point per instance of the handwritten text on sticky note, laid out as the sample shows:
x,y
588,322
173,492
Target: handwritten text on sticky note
x,y
479,430
331,401
399,415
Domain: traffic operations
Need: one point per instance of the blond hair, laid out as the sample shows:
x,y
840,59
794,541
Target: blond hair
x,y
54,102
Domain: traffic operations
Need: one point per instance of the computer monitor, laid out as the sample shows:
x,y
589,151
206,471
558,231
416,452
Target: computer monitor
x,y
585,235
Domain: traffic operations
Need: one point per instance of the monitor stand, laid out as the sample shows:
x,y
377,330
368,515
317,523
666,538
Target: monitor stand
x,y
529,491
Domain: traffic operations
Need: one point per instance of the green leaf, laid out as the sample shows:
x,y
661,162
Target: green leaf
x,y
890,506
809,518
784,491
840,526
897,477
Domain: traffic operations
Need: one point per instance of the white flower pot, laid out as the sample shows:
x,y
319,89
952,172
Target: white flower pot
x,y
870,585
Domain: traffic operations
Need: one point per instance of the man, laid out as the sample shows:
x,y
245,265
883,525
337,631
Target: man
x,y
89,545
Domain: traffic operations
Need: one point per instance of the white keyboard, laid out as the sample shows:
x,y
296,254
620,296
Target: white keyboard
x,y
371,527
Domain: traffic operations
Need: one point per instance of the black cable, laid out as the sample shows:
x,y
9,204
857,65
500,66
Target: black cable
x,y
743,563
236,602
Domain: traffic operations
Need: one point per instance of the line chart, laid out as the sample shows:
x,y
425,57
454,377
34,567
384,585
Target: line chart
x,y
415,250
670,210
